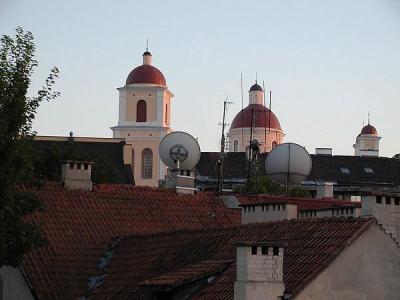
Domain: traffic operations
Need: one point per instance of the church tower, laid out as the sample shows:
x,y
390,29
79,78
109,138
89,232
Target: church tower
x,y
144,119
256,122
367,142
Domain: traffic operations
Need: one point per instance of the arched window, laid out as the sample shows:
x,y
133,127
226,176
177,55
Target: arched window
x,y
141,111
147,163
235,146
274,144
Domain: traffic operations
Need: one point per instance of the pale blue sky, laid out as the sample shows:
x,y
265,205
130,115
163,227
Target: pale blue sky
x,y
327,62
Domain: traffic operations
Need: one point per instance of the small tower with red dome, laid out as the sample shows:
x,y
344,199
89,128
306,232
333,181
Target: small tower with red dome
x,y
256,121
144,119
367,142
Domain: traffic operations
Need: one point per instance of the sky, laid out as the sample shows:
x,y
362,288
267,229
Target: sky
x,y
327,63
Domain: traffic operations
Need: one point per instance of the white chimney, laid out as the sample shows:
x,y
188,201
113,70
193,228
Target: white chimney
x,y
259,271
325,190
77,175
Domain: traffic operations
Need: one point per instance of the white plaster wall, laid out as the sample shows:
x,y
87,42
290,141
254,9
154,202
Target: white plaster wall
x,y
14,285
258,134
388,215
369,269
256,214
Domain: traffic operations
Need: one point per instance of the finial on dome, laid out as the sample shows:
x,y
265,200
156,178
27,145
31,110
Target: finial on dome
x,y
256,77
147,54
368,117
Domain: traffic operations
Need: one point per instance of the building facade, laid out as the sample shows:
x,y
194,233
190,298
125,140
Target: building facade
x,y
255,122
367,142
144,119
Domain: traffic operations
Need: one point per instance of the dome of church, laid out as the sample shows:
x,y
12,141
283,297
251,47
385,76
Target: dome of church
x,y
146,73
256,87
261,115
369,129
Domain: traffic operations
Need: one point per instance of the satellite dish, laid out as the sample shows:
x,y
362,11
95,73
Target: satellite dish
x,y
179,150
288,164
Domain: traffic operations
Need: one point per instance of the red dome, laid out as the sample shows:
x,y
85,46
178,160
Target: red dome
x,y
146,74
261,115
369,129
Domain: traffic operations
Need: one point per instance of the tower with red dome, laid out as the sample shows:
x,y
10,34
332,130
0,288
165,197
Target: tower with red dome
x,y
255,122
367,142
144,119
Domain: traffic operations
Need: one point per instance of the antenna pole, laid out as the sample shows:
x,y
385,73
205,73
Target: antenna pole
x,y
250,151
221,157
288,174
265,127
241,88
269,113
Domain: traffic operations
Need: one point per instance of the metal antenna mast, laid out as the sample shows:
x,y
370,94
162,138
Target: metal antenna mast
x,y
250,151
221,157
265,127
241,88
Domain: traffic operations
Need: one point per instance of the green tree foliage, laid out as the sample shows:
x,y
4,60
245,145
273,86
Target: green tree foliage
x,y
17,112
264,185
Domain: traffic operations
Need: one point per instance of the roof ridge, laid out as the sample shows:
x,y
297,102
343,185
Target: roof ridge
x,y
294,221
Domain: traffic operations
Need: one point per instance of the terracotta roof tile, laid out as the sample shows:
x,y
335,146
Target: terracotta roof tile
x,y
302,203
79,225
311,245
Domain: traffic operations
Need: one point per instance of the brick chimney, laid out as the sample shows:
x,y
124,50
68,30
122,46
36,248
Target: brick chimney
x,y
77,175
259,271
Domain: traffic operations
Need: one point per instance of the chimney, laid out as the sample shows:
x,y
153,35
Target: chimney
x,y
325,190
183,181
259,271
77,175
323,151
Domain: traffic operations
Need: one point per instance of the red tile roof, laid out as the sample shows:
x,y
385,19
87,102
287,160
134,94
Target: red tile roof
x,y
78,226
260,113
146,74
311,244
187,274
302,203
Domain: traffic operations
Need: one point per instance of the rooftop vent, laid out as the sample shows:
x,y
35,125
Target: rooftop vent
x,y
323,151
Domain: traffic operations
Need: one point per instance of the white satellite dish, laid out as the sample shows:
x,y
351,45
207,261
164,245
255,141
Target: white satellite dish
x,y
288,164
179,150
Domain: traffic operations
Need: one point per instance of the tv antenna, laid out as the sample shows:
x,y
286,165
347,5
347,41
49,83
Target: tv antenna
x,y
221,156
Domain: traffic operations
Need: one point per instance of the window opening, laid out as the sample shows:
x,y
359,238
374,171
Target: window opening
x,y
141,111
147,163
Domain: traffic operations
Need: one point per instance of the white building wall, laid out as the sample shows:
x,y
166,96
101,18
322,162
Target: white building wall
x,y
259,134
369,269
141,135
13,285
387,215
268,213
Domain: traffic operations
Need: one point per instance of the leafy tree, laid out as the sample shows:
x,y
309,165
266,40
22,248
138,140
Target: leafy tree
x,y
264,185
17,112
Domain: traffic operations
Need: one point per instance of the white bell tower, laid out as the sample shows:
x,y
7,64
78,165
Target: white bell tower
x,y
144,119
